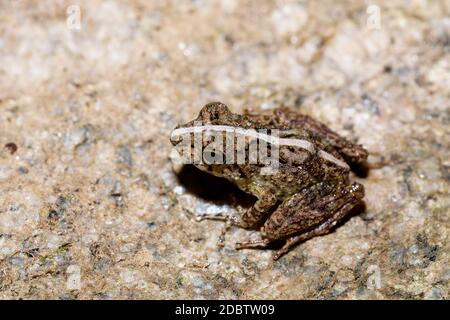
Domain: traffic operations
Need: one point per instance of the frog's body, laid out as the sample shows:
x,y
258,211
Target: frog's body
x,y
308,193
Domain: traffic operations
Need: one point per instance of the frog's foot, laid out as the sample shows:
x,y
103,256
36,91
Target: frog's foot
x,y
230,220
291,242
258,244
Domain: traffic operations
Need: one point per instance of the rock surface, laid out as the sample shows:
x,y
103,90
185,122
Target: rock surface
x,y
91,208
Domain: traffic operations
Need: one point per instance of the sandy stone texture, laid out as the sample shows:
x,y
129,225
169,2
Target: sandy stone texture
x,y
90,207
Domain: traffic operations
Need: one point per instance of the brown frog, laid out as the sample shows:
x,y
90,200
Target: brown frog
x,y
309,190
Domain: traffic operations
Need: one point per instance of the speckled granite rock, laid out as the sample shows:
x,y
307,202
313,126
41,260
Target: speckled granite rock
x,y
91,208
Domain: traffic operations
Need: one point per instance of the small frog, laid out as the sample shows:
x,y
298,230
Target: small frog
x,y
310,190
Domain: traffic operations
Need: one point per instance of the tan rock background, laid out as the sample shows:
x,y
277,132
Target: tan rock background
x,y
91,208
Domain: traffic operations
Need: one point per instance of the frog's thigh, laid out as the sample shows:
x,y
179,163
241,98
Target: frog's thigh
x,y
322,229
255,215
293,216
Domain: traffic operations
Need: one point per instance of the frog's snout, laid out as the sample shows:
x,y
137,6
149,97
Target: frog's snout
x,y
174,139
176,136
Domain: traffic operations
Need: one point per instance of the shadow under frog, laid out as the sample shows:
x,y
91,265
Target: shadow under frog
x,y
213,189
308,194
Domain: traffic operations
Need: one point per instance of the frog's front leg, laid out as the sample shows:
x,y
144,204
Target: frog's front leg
x,y
301,217
255,216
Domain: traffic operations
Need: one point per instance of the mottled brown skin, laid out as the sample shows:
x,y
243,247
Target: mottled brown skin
x,y
308,195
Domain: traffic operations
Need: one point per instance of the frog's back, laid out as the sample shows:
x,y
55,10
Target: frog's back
x,y
284,118
288,179
306,160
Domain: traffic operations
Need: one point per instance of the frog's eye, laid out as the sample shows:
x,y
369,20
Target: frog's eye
x,y
213,157
213,111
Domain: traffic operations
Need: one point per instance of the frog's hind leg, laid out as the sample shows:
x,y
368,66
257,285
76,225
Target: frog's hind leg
x,y
324,227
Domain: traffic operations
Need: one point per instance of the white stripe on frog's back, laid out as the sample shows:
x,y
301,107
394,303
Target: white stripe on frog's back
x,y
304,144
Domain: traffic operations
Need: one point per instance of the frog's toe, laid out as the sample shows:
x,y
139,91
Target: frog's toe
x,y
259,244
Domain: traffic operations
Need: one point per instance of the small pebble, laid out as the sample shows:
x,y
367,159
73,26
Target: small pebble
x,y
12,147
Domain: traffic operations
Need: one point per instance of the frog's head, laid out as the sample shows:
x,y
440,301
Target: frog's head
x,y
203,141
